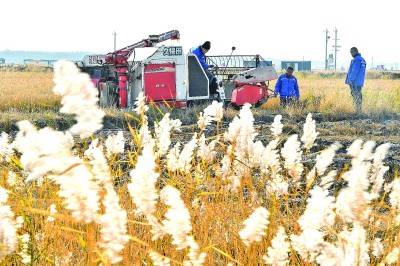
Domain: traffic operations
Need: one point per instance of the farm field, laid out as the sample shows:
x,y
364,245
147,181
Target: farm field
x,y
317,185
28,94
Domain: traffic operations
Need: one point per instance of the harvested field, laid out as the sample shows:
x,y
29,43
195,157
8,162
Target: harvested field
x,y
306,186
26,93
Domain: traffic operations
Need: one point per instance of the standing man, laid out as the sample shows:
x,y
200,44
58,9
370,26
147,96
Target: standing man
x,y
288,89
200,52
355,77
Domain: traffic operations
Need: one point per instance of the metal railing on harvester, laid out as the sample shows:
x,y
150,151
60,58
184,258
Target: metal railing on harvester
x,y
230,65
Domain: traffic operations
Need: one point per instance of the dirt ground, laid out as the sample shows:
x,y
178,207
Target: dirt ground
x,y
345,130
383,128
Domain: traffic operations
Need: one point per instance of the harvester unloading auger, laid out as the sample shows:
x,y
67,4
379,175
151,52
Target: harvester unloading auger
x,y
166,75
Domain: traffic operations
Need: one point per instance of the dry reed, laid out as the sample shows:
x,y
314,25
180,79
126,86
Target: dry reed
x,y
227,204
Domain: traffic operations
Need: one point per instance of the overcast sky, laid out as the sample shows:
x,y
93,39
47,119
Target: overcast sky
x,y
283,30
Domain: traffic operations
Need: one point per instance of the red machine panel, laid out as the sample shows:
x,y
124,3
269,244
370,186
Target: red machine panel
x,y
160,81
248,94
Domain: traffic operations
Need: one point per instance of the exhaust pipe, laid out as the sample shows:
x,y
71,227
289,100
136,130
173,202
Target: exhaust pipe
x,y
227,62
220,89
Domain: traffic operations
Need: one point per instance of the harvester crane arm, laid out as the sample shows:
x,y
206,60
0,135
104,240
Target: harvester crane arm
x,y
121,56
119,59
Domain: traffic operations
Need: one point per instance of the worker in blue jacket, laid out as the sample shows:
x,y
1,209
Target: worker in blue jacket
x,y
287,88
355,77
200,52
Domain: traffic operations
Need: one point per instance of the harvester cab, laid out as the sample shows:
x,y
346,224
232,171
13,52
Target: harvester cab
x,y
168,76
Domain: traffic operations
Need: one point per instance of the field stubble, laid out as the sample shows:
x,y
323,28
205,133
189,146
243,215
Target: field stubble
x,y
28,95
208,203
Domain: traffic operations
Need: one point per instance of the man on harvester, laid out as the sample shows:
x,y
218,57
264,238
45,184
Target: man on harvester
x,y
200,52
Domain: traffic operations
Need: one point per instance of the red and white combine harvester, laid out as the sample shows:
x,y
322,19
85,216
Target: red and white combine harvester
x,y
168,75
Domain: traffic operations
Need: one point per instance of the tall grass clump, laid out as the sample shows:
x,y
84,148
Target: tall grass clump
x,y
27,91
327,94
149,198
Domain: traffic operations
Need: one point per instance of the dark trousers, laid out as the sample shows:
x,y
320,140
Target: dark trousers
x,y
209,75
212,82
288,102
357,97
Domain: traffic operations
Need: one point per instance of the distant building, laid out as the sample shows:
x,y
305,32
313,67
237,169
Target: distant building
x,y
297,65
2,61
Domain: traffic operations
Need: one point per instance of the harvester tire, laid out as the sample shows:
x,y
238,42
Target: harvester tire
x,y
229,105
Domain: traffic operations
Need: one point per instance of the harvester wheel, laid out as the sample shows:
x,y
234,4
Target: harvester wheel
x,y
229,105
261,102
258,104
190,104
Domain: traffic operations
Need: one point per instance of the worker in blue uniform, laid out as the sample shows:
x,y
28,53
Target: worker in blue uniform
x,y
288,89
355,77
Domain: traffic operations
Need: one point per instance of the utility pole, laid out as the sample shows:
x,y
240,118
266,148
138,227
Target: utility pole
x,y
336,47
115,41
326,48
